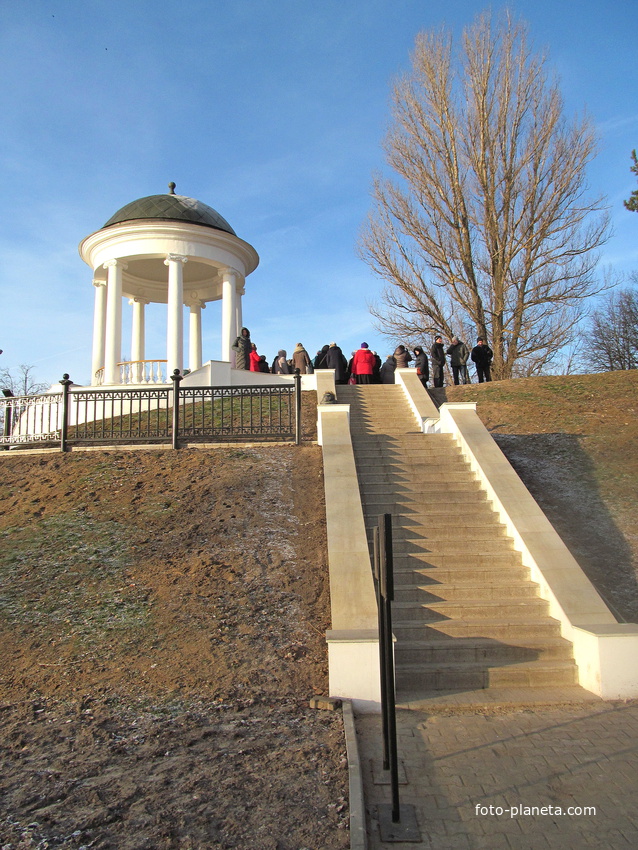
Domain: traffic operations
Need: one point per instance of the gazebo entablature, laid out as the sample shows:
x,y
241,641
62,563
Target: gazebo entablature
x,y
173,263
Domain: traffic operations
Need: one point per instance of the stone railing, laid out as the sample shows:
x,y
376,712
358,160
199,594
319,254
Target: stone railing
x,y
140,372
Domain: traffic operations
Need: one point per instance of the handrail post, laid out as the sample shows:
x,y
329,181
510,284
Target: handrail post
x,y
176,378
64,430
382,642
396,822
297,407
386,580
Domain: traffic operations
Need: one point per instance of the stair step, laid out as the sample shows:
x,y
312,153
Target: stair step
x,y
364,430
396,455
399,440
396,439
475,526
433,560
413,467
400,476
435,576
436,612
487,533
458,546
471,700
520,675
480,650
503,629
474,594
418,485
432,500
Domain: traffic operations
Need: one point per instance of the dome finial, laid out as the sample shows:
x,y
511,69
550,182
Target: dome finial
x,y
171,186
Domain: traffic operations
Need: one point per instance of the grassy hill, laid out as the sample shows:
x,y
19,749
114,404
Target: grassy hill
x,y
573,440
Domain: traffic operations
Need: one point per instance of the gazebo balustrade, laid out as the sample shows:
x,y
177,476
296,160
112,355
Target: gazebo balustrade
x,y
138,372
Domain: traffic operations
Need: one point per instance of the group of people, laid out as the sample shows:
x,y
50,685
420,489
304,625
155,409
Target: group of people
x,y
365,366
458,352
247,357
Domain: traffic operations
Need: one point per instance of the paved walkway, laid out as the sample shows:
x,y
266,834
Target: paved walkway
x,y
563,777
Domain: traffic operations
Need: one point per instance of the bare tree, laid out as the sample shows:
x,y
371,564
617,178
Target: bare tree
x,y
488,228
612,339
21,381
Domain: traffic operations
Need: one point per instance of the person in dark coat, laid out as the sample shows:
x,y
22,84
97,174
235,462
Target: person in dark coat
x,y
402,356
335,359
388,369
482,358
320,359
376,372
458,352
421,364
243,346
351,378
437,357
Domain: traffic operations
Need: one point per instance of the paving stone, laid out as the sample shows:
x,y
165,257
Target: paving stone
x,y
572,756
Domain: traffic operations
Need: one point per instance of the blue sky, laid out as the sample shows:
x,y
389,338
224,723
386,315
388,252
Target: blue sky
x,y
273,114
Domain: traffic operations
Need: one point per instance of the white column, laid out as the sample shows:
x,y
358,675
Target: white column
x,y
138,337
175,318
229,313
113,332
238,319
99,328
195,335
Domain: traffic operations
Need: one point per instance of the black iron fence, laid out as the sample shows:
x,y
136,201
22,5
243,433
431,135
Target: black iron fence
x,y
153,414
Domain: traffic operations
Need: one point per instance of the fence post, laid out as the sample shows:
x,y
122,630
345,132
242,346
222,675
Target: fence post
x,y
176,378
64,430
8,418
297,407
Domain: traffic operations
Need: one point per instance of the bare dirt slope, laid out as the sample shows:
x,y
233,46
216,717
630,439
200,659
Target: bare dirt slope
x,y
162,627
572,439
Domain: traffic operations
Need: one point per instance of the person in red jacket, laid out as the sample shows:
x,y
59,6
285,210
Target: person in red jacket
x,y
254,358
363,364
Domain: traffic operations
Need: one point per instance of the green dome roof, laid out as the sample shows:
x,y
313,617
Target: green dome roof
x,y
171,208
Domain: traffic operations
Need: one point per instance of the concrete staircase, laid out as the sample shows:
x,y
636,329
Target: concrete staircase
x,y
466,615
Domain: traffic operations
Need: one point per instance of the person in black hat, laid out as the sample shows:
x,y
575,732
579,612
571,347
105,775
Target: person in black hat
x,y
437,358
421,363
482,358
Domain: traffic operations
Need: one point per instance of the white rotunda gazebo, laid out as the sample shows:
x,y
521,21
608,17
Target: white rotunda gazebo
x,y
166,249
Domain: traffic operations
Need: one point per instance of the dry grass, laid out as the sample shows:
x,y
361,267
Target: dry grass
x,y
572,439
